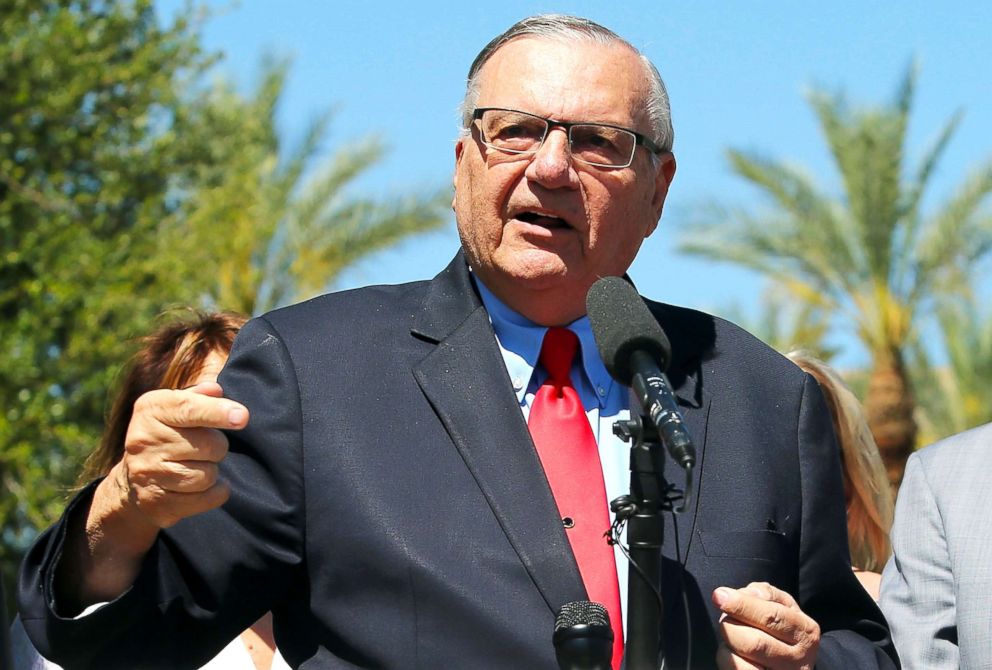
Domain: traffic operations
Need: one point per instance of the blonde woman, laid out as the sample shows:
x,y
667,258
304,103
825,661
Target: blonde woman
x,y
866,488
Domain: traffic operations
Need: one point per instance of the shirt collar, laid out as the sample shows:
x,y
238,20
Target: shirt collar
x,y
520,340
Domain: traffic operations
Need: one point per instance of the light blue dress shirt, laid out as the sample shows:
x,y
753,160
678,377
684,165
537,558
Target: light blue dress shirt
x,y
605,400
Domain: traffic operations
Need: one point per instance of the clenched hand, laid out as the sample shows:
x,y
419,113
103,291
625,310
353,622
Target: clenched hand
x,y
763,627
169,471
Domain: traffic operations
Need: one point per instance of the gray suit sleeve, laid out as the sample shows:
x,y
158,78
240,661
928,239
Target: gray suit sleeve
x,y
917,583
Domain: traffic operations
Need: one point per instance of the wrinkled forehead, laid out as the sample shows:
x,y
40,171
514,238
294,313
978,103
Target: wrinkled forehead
x,y
567,78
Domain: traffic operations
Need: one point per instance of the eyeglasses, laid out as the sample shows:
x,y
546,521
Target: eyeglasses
x,y
598,144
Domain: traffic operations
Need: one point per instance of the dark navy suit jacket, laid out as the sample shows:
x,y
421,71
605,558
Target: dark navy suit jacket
x,y
389,507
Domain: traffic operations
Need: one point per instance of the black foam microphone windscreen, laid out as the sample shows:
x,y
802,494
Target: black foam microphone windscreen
x,y
622,324
583,638
584,612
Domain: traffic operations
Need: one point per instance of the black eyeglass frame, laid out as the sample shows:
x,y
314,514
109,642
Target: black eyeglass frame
x,y
639,138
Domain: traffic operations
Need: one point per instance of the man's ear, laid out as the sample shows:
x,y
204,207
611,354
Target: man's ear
x,y
459,153
664,175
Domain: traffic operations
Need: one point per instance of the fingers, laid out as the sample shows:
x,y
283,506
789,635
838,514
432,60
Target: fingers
x,y
727,660
196,407
173,476
164,508
766,591
172,452
769,609
752,643
764,625
178,425
207,388
145,500
175,444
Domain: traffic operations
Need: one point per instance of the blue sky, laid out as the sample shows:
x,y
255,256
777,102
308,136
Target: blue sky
x,y
736,73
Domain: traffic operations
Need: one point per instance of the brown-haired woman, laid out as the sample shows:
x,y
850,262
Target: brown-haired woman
x,y
189,348
866,488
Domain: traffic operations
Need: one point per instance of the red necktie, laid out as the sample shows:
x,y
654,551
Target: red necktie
x,y
570,457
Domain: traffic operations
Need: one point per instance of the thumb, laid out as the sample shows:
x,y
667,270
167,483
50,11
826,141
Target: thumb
x,y
238,415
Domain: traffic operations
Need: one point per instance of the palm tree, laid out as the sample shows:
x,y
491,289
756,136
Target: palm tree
x,y
871,256
957,396
785,324
265,233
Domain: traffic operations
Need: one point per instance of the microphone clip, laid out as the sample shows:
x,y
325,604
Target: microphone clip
x,y
636,430
645,439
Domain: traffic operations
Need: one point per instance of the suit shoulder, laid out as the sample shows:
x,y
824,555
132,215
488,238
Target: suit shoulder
x,y
352,308
700,338
969,451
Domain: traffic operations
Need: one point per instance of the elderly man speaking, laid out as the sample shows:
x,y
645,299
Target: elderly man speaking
x,y
413,489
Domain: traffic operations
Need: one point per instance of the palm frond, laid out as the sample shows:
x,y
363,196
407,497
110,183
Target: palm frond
x,y
957,237
357,229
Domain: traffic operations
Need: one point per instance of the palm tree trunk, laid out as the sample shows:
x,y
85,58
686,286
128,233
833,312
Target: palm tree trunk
x,y
889,405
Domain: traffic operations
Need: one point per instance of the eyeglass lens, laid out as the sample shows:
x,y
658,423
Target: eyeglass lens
x,y
517,132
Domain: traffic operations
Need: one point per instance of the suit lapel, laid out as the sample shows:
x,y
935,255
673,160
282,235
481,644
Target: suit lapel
x,y
466,382
693,338
695,415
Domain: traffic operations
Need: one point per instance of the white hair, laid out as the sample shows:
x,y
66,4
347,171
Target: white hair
x,y
562,26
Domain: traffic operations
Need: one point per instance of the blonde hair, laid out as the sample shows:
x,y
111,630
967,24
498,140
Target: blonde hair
x,y
170,358
869,497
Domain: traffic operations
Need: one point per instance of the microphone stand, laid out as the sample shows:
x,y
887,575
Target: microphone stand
x,y
645,535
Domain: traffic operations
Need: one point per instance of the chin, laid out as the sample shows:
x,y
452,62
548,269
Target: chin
x,y
538,269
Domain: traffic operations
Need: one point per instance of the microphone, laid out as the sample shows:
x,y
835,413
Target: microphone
x,y
583,638
636,352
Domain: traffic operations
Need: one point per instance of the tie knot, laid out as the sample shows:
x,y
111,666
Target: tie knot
x,y
557,353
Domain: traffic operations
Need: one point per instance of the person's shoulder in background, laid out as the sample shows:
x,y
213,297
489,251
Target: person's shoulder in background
x,y
935,586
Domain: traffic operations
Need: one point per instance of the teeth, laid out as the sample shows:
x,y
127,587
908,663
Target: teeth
x,y
542,219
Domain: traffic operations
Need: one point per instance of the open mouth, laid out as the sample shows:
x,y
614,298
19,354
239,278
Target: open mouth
x,y
543,220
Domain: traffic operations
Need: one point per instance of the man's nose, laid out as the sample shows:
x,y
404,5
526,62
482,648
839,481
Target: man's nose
x,y
552,165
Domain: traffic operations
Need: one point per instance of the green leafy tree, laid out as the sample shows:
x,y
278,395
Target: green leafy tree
x,y
85,170
874,258
129,185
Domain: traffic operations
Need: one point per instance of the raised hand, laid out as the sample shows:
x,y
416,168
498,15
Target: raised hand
x,y
172,452
169,471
